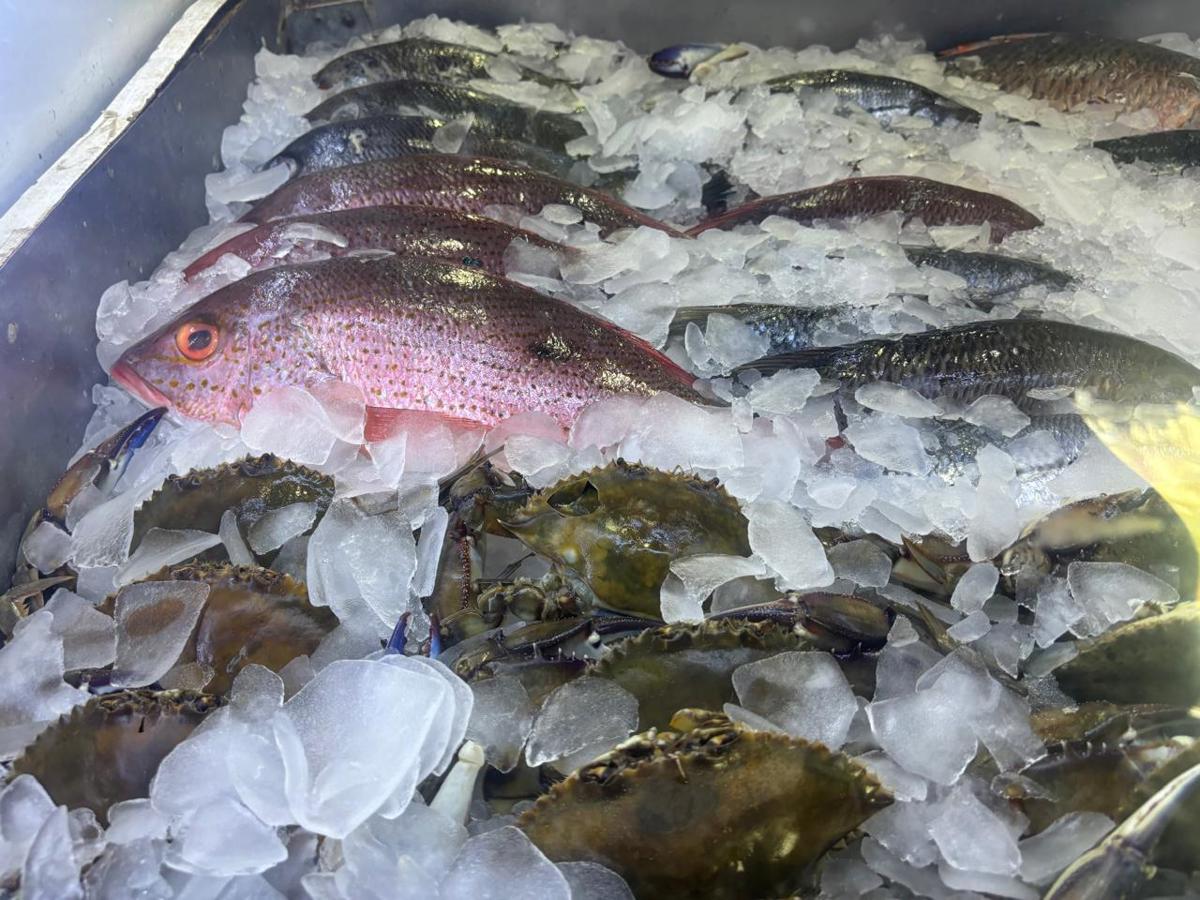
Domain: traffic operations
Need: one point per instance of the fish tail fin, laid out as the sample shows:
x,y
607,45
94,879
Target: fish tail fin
x,y
715,194
823,359
685,315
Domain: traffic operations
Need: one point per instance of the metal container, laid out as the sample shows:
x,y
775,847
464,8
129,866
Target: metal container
x,y
139,193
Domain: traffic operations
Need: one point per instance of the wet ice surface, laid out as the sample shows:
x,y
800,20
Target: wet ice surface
x,y
316,756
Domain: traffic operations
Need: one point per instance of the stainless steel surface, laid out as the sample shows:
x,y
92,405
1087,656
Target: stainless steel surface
x,y
147,192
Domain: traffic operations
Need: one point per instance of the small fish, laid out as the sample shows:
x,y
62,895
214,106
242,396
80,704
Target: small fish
x,y
934,202
357,141
1071,70
462,238
989,275
786,328
880,95
1164,151
419,337
463,183
681,60
418,57
960,443
498,117
1007,357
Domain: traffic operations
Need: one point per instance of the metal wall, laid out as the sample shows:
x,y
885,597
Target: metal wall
x,y
147,192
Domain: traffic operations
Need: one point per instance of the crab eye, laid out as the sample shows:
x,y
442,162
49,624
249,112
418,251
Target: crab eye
x,y
197,341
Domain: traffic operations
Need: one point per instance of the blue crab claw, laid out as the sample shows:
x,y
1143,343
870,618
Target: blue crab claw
x,y
103,465
1119,864
396,642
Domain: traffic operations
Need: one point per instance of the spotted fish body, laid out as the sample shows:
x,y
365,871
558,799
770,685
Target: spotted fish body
x,y
357,141
1071,70
461,238
418,57
934,202
416,336
880,95
502,118
463,183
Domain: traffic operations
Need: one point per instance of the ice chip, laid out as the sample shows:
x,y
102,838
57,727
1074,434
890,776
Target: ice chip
x,y
277,526
31,670
580,714
841,877
862,562
1111,592
163,547
503,865
231,536
51,871
998,414
975,587
1051,850
784,392
925,733
592,881
290,423
782,538
995,524
891,443
224,838
697,577
134,820
903,828
896,400
24,808
89,636
501,719
974,626
47,547
803,692
154,620
971,837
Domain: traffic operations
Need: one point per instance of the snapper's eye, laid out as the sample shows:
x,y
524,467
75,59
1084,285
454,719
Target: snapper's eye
x,y
197,341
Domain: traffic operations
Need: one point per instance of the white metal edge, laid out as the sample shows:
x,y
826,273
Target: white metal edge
x,y
47,192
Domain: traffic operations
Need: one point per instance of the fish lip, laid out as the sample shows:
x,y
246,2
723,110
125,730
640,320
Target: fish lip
x,y
124,375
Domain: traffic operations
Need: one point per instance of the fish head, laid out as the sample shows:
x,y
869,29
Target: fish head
x,y
198,365
679,61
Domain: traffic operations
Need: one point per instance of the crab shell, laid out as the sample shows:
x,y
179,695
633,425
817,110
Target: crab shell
x,y
251,615
109,749
674,667
1155,659
251,487
718,811
619,527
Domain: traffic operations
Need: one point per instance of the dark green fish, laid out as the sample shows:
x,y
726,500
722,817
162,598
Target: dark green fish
x,y
1164,151
786,328
960,442
419,57
880,95
496,116
1071,70
1009,358
989,275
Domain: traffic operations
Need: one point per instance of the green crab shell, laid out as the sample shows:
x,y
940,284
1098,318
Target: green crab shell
x,y
618,528
109,749
719,811
251,487
1155,659
675,667
251,615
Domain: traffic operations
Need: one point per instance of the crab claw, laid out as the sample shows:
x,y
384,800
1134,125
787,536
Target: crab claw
x,y
1119,864
396,642
102,466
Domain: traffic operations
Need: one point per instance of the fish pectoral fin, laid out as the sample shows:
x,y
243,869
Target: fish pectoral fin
x,y
383,422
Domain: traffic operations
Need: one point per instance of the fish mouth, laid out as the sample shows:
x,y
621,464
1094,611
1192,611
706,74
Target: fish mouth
x,y
124,375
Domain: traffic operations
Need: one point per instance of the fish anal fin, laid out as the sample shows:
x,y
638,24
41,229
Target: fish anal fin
x,y
383,422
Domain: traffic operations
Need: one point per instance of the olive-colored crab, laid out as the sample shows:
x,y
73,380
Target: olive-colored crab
x,y
711,809
109,749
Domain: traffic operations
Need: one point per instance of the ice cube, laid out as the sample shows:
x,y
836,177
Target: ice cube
x,y
592,881
971,837
890,442
278,526
102,536
130,870
784,392
984,883
901,662
903,785
782,538
896,400
503,865
163,547
998,414
971,628
501,719
975,587
925,732
670,432
47,547
154,620
924,882
89,637
696,577
803,692
843,877
1067,838
289,422
1111,592
24,808
231,536
31,671
903,828
224,838
862,562
995,524
134,820
580,714
51,871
